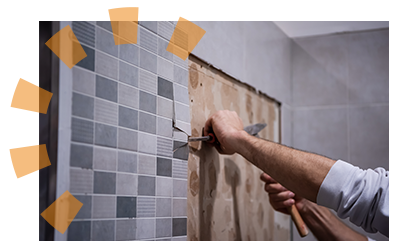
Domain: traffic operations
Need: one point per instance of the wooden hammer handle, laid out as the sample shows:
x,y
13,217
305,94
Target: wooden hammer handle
x,y
298,221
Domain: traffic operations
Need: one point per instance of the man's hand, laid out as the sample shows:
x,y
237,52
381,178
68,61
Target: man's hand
x,y
226,126
279,197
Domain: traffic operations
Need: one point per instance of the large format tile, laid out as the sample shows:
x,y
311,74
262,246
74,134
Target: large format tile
x,y
81,181
104,183
179,188
181,76
129,53
165,68
164,147
127,162
322,131
146,185
106,65
82,105
147,164
128,96
103,230
126,207
164,107
105,159
164,186
163,227
105,135
128,118
105,112
104,207
147,102
147,81
179,207
164,127
147,123
106,89
179,169
163,207
148,61
146,207
164,167
147,143
181,94
127,139
145,228
89,61
83,81
86,210
369,136
148,40
182,112
128,74
105,42
165,88
182,152
179,226
81,156
79,231
126,229
82,130
369,67
127,184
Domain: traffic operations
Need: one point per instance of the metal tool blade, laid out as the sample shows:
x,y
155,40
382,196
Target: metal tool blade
x,y
255,128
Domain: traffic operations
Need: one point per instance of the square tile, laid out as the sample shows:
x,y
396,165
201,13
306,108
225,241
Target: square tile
x,y
106,89
89,61
179,169
182,112
105,42
126,229
164,107
165,88
105,135
128,96
105,159
164,147
127,162
146,207
84,32
81,130
164,187
81,156
147,143
147,102
179,207
163,227
148,40
86,210
127,184
103,230
127,139
104,207
79,231
147,123
164,127
179,226
147,164
106,112
181,94
178,61
145,229
128,118
105,24
147,81
148,61
163,207
164,167
151,25
81,181
181,153
146,185
128,74
180,188
126,207
181,76
129,53
185,126
165,68
162,49
83,81
165,29
104,183
106,65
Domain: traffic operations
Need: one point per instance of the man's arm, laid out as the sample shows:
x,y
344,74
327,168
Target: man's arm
x,y
299,171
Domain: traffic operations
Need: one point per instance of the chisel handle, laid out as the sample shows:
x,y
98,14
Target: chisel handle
x,y
298,221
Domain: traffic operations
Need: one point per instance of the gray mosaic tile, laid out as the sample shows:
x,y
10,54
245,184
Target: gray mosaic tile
x,y
89,61
179,226
164,187
148,61
151,25
182,112
178,61
81,156
106,65
178,135
165,88
81,181
164,167
105,159
129,53
103,230
105,42
147,81
127,184
145,228
147,143
127,139
146,185
126,207
79,231
163,207
163,227
162,49
147,122
165,68
106,89
126,229
179,188
86,210
164,107
179,207
104,207
105,135
127,162
179,169
81,130
128,96
185,126
147,164
164,147
106,112
83,81
147,102
181,76
146,207
128,74
164,127
84,32
181,94
105,24
128,118
165,29
104,183
148,40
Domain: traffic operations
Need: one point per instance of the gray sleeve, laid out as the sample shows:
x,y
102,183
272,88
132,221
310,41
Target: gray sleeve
x,y
362,195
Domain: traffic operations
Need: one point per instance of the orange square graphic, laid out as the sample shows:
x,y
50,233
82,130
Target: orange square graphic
x,y
27,160
67,47
30,97
124,24
62,211
185,38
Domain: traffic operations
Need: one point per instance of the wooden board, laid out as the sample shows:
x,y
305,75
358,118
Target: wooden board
x,y
226,199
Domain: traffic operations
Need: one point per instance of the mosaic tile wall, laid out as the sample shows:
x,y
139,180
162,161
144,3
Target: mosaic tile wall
x,y
122,165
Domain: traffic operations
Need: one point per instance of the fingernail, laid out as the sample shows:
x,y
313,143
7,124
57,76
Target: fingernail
x,y
291,195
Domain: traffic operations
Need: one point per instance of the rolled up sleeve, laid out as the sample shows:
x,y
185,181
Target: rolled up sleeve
x,y
361,195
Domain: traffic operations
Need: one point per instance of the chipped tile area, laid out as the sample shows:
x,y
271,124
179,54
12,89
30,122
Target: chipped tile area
x,y
121,165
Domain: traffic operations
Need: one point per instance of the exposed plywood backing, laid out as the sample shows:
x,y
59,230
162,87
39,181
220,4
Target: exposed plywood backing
x,y
226,199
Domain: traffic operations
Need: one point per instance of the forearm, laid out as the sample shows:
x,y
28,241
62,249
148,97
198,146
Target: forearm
x,y
300,172
325,225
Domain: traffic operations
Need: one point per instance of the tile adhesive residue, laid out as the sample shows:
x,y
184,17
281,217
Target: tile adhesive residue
x,y
226,199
